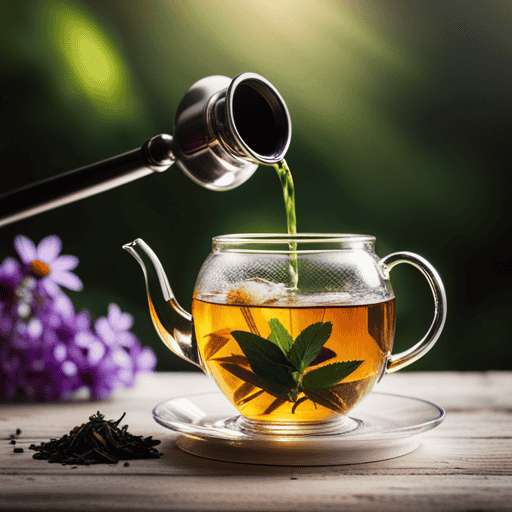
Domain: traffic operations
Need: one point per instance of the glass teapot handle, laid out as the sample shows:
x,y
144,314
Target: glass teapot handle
x,y
398,361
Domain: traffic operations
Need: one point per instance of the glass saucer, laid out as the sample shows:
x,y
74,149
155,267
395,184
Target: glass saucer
x,y
384,426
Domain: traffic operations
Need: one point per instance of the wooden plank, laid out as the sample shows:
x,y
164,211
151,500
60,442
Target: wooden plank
x,y
465,463
261,492
435,456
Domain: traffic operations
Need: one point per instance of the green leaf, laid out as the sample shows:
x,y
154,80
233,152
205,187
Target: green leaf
x,y
268,362
326,398
276,378
255,347
243,374
308,344
280,336
271,388
328,376
324,355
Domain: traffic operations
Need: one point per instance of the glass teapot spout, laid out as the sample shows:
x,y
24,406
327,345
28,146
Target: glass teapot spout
x,y
173,324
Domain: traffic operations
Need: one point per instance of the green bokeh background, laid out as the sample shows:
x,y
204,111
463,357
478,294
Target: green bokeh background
x,y
401,116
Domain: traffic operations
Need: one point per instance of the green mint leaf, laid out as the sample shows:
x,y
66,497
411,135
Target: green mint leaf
x,y
256,347
326,398
243,374
308,344
324,355
246,375
328,376
267,361
280,336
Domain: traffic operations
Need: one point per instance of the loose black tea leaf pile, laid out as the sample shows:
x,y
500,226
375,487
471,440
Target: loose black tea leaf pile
x,y
99,441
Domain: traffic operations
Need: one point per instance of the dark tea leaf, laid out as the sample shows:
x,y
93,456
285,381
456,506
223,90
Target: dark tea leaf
x,y
251,397
233,358
217,340
273,388
241,392
326,398
308,344
243,374
329,375
301,400
98,441
274,405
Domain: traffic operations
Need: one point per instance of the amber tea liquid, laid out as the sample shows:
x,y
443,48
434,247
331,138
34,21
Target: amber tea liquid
x,y
359,332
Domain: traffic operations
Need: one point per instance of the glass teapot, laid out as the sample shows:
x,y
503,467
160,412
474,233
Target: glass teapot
x,y
295,329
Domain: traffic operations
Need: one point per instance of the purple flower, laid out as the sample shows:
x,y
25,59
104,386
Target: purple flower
x,y
47,351
45,264
125,351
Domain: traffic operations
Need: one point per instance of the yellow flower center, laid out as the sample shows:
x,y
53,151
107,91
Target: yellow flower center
x,y
39,269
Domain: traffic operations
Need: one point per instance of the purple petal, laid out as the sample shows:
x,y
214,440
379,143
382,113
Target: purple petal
x,y
125,322
85,339
119,321
83,320
49,248
126,339
25,248
60,352
64,306
96,352
146,361
65,262
69,368
10,266
114,312
122,359
51,287
68,280
5,324
104,330
35,328
127,377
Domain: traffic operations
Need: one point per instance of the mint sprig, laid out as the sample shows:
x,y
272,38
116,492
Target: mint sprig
x,y
278,364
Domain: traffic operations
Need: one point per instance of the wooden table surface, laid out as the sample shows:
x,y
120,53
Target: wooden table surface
x,y
463,464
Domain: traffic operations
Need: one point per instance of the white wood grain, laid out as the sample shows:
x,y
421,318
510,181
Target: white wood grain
x,y
464,464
